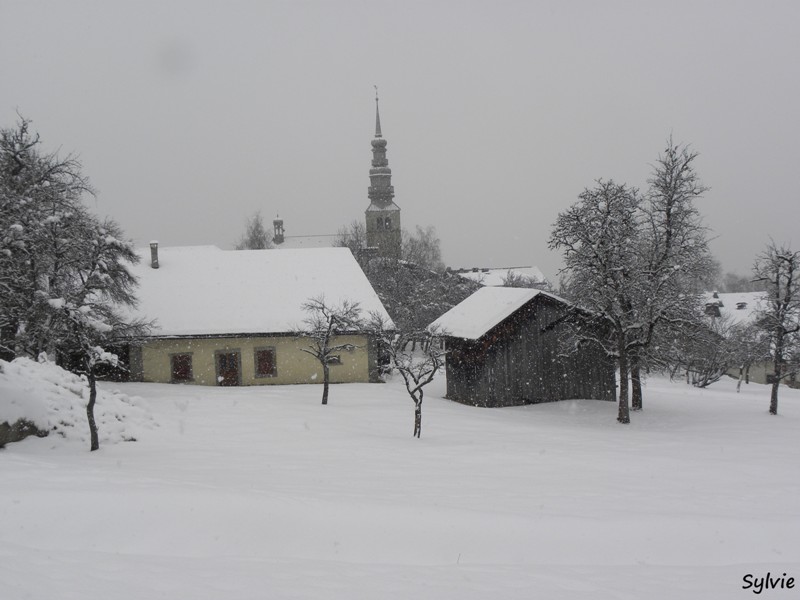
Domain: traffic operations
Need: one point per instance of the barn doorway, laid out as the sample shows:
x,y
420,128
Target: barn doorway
x,y
228,367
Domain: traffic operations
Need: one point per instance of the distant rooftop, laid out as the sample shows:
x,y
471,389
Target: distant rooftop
x,y
295,242
495,276
737,307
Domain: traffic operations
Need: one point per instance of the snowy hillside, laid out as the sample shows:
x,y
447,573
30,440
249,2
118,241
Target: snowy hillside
x,y
256,493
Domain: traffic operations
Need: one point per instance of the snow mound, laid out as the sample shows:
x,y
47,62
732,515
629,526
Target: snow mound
x,y
55,400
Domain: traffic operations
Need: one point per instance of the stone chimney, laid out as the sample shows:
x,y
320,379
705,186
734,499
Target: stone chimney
x,y
154,254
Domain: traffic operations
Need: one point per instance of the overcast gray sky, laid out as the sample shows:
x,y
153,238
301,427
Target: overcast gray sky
x,y
188,116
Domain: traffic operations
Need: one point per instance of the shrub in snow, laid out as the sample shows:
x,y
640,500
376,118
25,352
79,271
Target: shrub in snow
x,y
41,398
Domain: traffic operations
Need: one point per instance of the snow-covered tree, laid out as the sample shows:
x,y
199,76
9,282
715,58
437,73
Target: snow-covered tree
x,y
778,268
37,190
637,264
255,236
65,282
599,237
87,305
321,327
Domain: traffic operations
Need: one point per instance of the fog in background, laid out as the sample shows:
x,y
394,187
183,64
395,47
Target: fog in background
x,y
190,116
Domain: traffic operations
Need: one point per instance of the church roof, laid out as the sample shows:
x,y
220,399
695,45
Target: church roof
x,y
375,207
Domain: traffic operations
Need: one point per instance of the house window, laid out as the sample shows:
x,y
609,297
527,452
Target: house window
x,y
181,367
266,365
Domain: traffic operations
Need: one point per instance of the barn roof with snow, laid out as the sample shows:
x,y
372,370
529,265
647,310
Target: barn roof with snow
x,y
203,290
485,309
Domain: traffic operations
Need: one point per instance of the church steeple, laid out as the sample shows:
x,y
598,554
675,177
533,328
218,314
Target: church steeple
x,y
381,191
383,215
377,116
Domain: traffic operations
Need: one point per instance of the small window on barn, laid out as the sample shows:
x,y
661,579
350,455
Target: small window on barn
x,y
266,365
181,365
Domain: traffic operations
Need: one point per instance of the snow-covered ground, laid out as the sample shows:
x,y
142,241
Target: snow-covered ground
x,y
253,493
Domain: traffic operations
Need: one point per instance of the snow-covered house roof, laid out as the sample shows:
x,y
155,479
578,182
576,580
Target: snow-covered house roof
x,y
483,310
297,242
735,307
202,290
496,276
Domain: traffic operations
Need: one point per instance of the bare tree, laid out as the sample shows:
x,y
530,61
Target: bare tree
x,y
749,345
322,326
677,263
353,236
778,268
518,280
423,248
710,352
256,236
733,282
417,367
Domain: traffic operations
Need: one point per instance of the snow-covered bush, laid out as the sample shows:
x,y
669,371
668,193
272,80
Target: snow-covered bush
x,y
54,400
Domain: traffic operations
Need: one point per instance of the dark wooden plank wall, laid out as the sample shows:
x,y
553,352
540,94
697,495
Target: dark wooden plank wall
x,y
520,362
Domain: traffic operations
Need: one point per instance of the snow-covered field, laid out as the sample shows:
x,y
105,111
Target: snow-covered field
x,y
252,493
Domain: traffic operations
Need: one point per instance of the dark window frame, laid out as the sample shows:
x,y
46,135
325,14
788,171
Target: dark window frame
x,y
172,358
256,371
238,353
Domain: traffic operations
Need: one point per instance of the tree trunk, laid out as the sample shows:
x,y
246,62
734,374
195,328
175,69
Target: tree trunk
x,y
773,399
741,376
636,383
325,381
623,416
777,365
95,442
417,417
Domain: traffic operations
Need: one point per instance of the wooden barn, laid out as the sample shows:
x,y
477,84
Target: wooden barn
x,y
503,350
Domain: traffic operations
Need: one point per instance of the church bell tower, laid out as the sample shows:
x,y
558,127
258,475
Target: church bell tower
x,y
382,214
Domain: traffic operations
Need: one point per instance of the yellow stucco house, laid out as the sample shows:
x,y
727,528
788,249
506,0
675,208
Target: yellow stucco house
x,y
230,317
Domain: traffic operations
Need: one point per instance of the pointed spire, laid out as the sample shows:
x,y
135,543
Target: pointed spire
x,y
377,116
